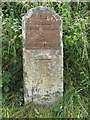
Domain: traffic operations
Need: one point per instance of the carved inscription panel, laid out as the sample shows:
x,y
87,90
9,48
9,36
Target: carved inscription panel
x,y
42,31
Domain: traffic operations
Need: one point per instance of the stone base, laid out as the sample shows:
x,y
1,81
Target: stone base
x,y
43,75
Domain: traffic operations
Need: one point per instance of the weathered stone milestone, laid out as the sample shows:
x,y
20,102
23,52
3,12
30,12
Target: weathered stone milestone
x,y
42,56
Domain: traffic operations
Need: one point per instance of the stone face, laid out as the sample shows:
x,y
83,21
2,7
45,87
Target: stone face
x,y
42,31
42,56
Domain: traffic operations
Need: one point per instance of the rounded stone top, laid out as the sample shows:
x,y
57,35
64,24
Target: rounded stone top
x,y
41,8
42,29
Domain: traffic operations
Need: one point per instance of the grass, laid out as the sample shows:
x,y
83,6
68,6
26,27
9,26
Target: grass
x,y
72,105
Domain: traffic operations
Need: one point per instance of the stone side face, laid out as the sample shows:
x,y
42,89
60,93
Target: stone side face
x,y
42,69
